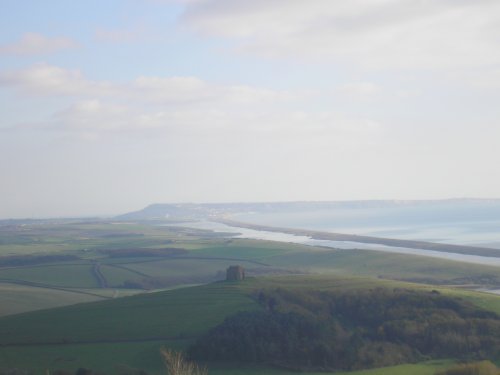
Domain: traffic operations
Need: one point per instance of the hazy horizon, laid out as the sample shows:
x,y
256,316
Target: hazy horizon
x,y
134,209
110,106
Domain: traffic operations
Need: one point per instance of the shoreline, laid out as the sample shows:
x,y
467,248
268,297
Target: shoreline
x,y
391,242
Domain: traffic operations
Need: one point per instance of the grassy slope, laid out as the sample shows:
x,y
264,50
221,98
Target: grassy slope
x,y
132,317
85,239
21,298
110,358
171,314
117,276
250,249
179,315
385,265
72,239
352,262
106,357
70,236
426,368
61,275
183,268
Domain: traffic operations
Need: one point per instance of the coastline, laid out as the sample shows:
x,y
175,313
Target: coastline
x,y
391,242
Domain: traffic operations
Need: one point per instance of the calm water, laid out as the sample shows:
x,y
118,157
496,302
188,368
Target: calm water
x,y
462,223
237,232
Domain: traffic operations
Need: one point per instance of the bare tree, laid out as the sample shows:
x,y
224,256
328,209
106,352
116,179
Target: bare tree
x,y
177,364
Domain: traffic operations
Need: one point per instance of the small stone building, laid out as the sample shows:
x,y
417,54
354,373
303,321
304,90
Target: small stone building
x,y
235,273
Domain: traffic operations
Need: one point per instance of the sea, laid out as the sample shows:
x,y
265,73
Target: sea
x,y
475,223
459,222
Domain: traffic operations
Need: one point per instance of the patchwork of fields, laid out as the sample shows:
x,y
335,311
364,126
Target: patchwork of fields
x,y
129,331
104,261
140,261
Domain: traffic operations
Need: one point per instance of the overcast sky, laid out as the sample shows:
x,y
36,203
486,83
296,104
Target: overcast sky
x,y
108,106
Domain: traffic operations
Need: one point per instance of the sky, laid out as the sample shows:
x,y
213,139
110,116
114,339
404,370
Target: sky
x,y
108,106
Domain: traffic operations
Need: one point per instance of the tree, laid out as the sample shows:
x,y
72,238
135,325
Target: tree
x,y
177,364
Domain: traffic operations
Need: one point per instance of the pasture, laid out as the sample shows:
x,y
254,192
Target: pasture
x,y
128,332
115,334
93,272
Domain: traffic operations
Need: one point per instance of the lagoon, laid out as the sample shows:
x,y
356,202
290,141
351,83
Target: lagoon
x,y
239,232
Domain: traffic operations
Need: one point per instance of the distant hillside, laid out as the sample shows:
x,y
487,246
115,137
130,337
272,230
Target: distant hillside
x,y
188,211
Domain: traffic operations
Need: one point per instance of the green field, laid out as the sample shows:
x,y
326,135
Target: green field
x,y
167,315
22,298
117,358
425,368
72,235
108,358
63,275
187,270
206,261
112,334
207,255
129,331
116,276
250,249
390,266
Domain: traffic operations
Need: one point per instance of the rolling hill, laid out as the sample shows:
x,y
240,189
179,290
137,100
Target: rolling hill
x,y
126,327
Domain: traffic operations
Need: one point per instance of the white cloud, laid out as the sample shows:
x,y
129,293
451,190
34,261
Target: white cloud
x,y
115,36
45,79
125,35
359,89
95,118
37,44
375,34
197,122
191,89
92,115
179,108
487,78
172,89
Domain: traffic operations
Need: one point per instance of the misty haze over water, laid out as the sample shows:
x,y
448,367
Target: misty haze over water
x,y
455,222
458,222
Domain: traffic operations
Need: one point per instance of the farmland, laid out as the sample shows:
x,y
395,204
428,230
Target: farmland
x,y
130,330
93,260
77,272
